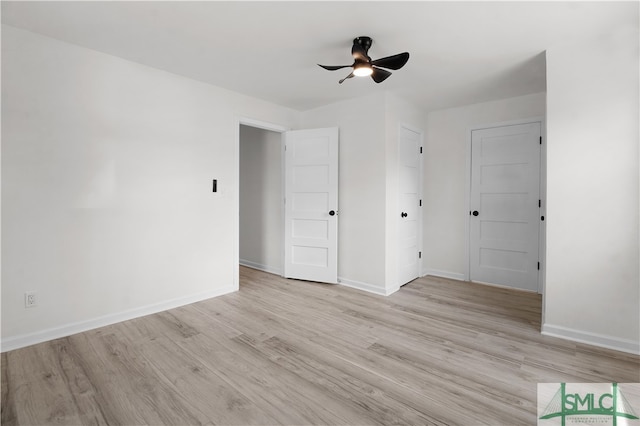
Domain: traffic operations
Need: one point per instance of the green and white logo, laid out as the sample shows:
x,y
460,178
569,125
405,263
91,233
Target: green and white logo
x,y
588,404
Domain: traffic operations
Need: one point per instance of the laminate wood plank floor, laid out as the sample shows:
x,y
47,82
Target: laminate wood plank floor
x,y
437,352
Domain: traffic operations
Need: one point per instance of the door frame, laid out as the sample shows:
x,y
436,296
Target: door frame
x,y
542,229
265,125
420,197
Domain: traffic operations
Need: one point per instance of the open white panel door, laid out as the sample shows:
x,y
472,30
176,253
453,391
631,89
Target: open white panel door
x,y
311,205
409,217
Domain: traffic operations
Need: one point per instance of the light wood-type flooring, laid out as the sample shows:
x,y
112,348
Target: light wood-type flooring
x,y
291,352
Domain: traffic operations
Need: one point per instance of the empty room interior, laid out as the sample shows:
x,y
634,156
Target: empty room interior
x,y
292,212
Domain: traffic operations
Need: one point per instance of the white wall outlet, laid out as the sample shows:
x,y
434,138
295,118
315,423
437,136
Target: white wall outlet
x,y
30,299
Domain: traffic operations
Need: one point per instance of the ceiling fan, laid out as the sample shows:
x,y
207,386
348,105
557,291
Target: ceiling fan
x,y
364,66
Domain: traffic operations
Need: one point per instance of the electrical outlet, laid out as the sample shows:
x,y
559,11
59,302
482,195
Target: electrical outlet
x,y
30,299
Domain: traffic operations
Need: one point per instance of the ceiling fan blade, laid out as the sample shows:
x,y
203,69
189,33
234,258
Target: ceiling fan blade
x,y
349,76
379,75
394,62
333,67
359,53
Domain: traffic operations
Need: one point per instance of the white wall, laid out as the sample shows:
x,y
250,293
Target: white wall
x,y
445,174
107,208
361,232
368,195
593,258
261,232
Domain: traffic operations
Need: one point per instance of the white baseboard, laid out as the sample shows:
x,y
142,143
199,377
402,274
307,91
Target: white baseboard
x,y
17,342
589,338
371,288
443,274
261,267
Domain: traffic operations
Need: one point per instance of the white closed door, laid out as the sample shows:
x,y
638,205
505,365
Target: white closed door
x,y
408,216
504,203
311,205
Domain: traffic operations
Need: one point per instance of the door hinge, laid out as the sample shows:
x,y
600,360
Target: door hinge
x,y
539,203
538,266
540,140
420,150
419,255
420,204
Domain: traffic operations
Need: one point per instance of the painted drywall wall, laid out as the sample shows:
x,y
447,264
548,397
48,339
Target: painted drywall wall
x,y
593,256
261,232
107,203
368,185
362,170
445,174
398,112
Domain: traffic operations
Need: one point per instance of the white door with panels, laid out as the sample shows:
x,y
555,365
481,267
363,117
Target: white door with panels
x,y
505,205
311,205
409,166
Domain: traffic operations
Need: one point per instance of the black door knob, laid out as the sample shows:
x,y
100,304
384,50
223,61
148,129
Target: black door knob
x,y
475,213
403,214
332,213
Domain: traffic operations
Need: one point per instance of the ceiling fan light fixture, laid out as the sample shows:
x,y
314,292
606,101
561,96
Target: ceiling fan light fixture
x,y
363,70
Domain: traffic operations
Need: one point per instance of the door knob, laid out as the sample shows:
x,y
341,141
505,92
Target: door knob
x,y
332,213
475,213
403,214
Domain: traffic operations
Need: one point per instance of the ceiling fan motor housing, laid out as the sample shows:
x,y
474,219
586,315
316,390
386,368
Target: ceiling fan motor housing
x,y
364,41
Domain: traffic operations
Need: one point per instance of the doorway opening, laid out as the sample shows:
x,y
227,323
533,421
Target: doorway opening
x,y
298,239
260,196
260,199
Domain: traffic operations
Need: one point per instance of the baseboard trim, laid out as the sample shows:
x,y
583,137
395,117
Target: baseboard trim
x,y
594,339
358,285
260,267
21,341
371,288
443,274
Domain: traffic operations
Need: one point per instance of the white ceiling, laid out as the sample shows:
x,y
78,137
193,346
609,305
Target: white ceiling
x,y
461,52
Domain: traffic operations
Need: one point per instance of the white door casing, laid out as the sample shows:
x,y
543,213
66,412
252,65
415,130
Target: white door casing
x,y
504,205
409,217
311,205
